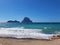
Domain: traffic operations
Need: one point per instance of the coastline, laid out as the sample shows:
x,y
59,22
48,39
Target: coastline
x,y
11,41
16,27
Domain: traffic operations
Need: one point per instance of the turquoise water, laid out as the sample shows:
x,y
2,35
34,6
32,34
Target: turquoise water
x,y
46,28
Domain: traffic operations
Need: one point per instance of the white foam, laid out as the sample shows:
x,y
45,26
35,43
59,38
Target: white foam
x,y
23,33
45,27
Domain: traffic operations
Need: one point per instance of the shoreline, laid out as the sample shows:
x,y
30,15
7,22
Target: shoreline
x,y
13,41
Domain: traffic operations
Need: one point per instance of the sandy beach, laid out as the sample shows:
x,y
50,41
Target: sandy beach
x,y
10,41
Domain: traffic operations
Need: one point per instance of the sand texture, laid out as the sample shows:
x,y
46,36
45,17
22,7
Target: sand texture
x,y
11,41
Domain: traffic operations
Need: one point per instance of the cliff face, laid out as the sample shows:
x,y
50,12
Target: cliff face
x,y
26,20
10,21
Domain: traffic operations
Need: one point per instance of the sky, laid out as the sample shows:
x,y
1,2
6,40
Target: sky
x,y
36,10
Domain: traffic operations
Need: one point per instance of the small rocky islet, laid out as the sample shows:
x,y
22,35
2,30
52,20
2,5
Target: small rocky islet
x,y
26,20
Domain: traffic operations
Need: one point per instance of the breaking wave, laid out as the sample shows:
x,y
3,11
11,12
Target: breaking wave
x,y
24,33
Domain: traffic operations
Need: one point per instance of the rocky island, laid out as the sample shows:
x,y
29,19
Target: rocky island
x,y
26,20
15,21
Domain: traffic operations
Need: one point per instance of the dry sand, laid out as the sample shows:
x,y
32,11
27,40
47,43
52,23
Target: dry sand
x,y
11,41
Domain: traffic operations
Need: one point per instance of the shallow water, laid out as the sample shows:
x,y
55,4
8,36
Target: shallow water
x,y
38,31
46,28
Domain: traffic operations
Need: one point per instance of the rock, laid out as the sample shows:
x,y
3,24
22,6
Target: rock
x,y
58,36
10,21
26,20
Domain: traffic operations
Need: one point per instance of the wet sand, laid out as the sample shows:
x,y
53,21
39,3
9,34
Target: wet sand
x,y
11,41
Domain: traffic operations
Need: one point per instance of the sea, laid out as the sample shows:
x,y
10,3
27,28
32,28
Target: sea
x,y
42,28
